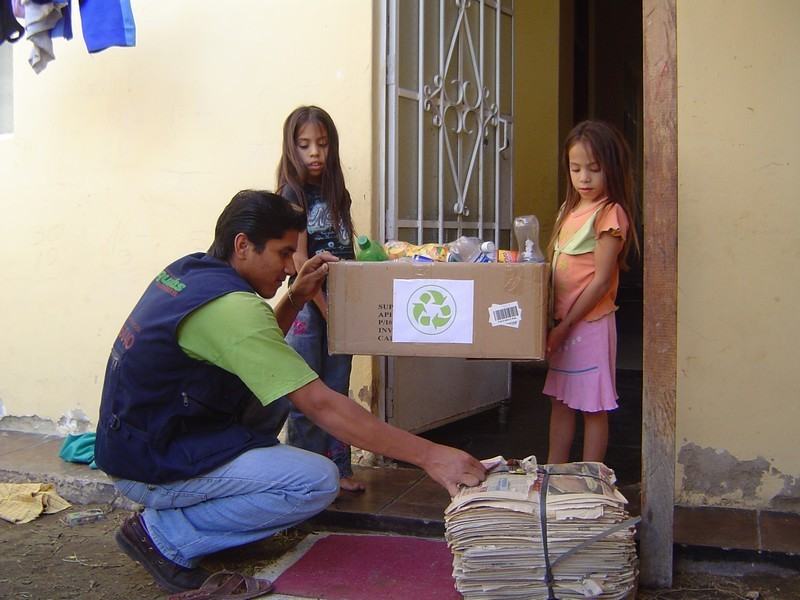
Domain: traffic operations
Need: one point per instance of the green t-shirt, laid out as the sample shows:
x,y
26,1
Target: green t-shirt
x,y
238,332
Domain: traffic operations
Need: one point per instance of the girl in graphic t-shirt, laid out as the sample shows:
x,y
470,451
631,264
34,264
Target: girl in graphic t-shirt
x,y
593,235
310,174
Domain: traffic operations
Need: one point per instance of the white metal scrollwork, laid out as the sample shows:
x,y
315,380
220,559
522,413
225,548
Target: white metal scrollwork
x,y
449,119
440,103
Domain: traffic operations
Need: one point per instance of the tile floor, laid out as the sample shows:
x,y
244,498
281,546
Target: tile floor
x,y
405,500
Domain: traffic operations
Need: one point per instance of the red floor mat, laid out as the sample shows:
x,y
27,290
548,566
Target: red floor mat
x,y
359,567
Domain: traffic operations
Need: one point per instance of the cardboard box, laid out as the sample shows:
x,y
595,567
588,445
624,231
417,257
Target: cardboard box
x,y
461,310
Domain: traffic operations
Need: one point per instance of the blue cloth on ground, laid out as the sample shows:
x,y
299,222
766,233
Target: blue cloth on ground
x,y
79,449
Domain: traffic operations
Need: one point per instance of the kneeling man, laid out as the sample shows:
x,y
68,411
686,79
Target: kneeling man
x,y
191,402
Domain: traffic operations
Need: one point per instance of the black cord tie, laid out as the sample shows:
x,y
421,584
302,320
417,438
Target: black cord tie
x,y
549,578
548,574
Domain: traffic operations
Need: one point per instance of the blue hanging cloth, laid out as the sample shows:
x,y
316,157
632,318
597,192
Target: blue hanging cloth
x,y
107,23
64,27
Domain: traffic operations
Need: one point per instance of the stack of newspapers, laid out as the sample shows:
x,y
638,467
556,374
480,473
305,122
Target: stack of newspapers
x,y
542,531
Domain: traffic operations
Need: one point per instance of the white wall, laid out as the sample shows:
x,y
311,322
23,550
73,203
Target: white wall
x,y
120,162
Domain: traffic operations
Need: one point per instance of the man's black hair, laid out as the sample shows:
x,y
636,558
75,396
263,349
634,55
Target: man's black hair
x,y
258,214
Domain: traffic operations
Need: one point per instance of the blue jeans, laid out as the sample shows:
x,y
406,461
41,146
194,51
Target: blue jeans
x,y
309,337
254,496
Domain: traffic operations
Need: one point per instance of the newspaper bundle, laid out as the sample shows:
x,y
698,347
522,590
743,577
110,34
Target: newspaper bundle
x,y
494,531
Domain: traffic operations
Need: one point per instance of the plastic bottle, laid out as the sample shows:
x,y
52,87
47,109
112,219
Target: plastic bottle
x,y
472,250
526,230
463,249
367,250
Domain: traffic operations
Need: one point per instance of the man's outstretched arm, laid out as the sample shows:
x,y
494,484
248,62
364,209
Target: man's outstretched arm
x,y
346,420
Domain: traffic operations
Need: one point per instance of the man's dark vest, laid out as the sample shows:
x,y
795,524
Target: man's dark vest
x,y
165,416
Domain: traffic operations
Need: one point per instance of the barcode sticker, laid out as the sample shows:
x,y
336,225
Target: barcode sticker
x,y
505,315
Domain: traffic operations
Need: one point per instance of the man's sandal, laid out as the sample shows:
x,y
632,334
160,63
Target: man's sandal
x,y
227,585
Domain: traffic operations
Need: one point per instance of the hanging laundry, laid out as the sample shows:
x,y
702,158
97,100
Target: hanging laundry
x,y
64,26
39,22
107,23
61,29
10,29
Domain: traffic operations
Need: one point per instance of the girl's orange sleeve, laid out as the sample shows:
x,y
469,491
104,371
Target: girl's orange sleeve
x,y
612,219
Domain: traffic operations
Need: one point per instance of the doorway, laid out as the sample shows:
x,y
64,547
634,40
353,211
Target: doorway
x,y
601,63
607,85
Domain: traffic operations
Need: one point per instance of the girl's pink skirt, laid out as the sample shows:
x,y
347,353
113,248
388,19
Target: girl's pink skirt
x,y
582,372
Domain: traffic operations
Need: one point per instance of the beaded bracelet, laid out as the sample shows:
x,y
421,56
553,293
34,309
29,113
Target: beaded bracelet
x,y
291,299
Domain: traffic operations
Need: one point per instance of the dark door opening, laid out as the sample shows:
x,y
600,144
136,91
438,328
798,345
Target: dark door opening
x,y
606,84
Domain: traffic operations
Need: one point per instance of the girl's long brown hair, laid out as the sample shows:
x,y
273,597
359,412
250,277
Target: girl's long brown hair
x,y
611,152
293,174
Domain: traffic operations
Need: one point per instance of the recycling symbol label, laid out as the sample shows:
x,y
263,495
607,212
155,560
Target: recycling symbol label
x,y
431,309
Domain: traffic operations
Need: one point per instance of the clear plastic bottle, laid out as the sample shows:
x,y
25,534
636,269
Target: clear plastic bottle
x,y
367,250
463,249
526,230
472,250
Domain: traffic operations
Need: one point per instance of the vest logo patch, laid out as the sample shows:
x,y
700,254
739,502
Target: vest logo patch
x,y
172,285
127,335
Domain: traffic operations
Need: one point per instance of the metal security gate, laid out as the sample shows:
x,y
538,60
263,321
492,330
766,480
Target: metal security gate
x,y
448,118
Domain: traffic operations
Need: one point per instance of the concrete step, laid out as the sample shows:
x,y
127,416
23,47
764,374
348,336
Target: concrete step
x,y
33,458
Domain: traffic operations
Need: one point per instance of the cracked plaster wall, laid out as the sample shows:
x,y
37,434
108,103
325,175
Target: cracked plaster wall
x,y
73,422
738,394
709,476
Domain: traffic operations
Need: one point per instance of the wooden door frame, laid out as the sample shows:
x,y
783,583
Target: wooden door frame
x,y
660,214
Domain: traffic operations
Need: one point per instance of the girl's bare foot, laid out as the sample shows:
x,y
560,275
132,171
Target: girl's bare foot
x,y
351,484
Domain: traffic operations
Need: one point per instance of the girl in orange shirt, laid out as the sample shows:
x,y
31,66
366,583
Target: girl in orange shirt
x,y
593,234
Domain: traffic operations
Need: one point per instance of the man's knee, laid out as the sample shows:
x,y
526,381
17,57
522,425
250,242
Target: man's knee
x,y
327,480
317,486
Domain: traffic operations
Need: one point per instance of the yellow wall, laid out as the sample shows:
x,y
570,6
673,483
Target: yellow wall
x,y
536,108
738,397
121,161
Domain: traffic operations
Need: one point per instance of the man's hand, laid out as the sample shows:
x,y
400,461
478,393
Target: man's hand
x,y
453,468
311,275
349,422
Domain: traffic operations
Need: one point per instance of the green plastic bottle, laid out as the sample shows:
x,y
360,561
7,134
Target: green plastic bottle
x,y
368,250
